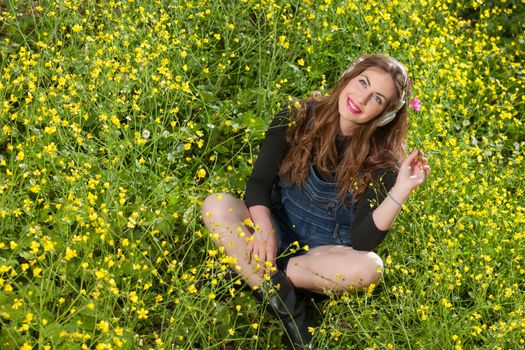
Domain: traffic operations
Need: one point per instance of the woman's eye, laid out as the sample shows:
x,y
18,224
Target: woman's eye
x,y
363,82
378,99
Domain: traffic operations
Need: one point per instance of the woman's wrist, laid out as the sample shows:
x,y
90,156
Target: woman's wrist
x,y
262,218
391,196
399,194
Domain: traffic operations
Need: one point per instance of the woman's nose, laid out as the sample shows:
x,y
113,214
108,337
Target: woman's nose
x,y
363,99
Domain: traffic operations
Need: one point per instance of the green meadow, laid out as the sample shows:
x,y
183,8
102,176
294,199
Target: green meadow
x,y
119,117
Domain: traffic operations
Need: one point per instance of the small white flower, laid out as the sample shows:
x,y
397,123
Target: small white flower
x,y
146,134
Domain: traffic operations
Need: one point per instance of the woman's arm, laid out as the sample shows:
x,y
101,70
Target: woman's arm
x,y
412,173
260,183
263,243
377,210
365,234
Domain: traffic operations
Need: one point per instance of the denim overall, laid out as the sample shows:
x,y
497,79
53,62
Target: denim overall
x,y
312,214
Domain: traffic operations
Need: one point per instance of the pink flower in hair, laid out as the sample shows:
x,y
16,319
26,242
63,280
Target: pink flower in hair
x,y
415,104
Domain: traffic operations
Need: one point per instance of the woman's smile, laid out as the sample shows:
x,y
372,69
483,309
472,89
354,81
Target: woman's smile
x,y
352,107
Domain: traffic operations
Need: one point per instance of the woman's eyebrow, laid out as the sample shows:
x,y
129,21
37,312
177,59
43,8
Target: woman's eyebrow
x,y
368,82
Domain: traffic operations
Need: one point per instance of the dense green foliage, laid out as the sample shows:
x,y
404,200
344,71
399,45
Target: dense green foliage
x,y
118,118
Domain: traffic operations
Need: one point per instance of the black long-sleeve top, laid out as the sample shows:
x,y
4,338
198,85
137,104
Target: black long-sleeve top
x,y
365,234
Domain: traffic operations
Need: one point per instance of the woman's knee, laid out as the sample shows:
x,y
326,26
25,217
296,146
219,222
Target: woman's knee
x,y
221,208
209,204
372,269
214,206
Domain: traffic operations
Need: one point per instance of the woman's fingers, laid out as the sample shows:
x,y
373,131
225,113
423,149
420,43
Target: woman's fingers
x,y
259,251
262,257
271,253
249,250
411,157
414,170
411,162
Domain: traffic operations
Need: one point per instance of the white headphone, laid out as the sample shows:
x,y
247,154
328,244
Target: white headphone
x,y
387,117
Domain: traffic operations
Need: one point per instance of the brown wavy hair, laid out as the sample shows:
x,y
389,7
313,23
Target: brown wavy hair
x,y
370,149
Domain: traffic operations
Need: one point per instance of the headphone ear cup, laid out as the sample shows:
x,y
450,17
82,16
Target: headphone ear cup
x,y
389,116
386,118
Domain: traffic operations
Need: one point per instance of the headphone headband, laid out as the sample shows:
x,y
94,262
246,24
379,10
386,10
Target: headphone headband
x,y
387,117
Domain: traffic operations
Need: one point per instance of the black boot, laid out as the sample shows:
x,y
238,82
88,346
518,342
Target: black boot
x,y
283,302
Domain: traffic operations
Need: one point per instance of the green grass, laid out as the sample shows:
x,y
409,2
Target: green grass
x,y
118,118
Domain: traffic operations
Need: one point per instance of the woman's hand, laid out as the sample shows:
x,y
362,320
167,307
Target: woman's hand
x,y
412,173
263,244
262,248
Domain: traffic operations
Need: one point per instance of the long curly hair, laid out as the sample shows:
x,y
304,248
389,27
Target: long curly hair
x,y
370,149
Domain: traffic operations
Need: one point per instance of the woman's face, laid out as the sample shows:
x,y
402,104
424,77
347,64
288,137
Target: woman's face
x,y
364,98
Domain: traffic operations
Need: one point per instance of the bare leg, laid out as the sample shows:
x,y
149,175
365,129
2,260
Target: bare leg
x,y
334,268
224,217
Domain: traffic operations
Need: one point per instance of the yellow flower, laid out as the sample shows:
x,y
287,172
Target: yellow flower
x,y
26,346
35,188
201,173
103,326
29,318
119,331
37,271
70,254
143,313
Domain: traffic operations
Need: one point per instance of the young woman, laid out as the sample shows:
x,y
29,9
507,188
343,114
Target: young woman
x,y
332,176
